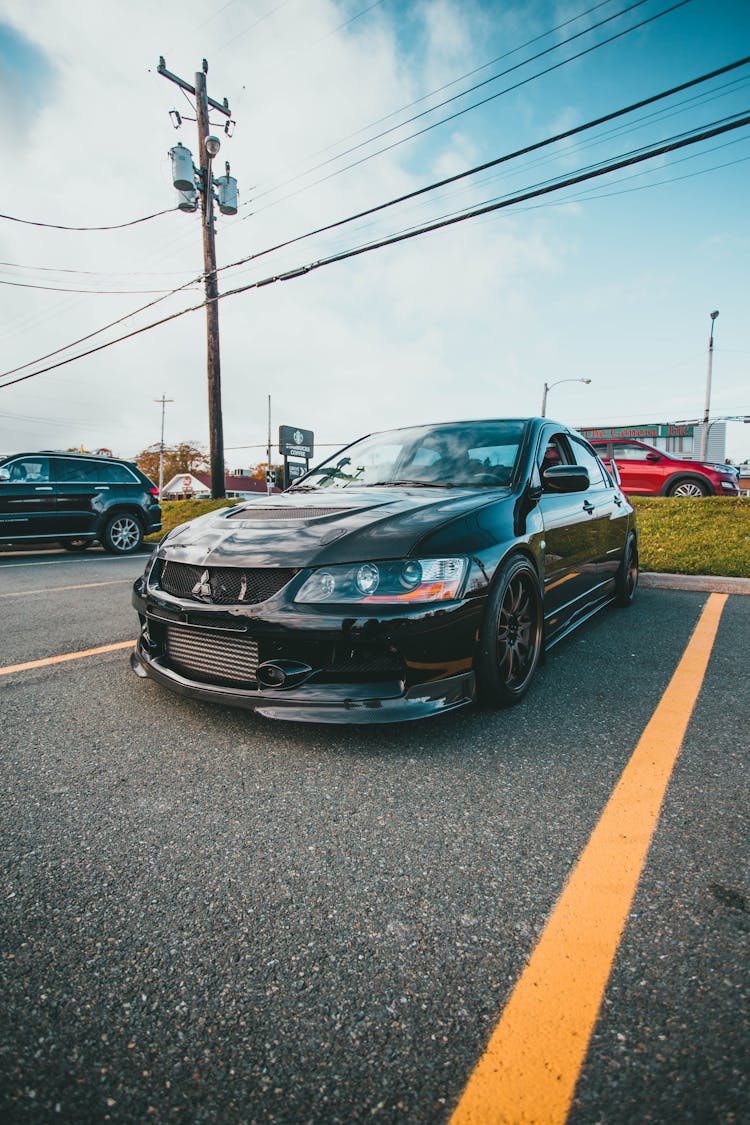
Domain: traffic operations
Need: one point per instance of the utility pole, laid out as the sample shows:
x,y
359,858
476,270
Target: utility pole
x,y
163,400
208,148
269,478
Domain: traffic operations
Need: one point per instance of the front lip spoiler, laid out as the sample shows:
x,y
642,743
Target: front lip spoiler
x,y
329,703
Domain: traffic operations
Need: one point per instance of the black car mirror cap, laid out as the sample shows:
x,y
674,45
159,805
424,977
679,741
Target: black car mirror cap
x,y
653,456
566,478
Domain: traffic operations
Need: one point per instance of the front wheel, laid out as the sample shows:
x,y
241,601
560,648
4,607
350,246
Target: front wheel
x,y
626,579
510,642
123,534
690,488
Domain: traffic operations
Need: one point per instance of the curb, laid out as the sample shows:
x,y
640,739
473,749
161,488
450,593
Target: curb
x,y
698,582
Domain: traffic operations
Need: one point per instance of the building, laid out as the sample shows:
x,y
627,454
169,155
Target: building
x,y
682,439
197,486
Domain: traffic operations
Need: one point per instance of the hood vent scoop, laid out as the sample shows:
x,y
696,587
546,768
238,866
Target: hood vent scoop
x,y
255,512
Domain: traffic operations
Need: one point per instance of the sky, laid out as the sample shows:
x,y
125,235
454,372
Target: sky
x,y
611,280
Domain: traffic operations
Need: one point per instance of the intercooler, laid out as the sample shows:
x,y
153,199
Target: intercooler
x,y
210,657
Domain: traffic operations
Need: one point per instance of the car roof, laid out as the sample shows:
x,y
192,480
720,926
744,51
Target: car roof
x,y
65,453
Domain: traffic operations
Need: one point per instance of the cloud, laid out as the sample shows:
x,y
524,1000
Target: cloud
x,y
469,320
27,85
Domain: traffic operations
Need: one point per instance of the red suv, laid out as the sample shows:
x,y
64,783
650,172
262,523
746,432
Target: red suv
x,y
645,471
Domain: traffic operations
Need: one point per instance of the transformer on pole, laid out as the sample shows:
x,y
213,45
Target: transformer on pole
x,y
192,183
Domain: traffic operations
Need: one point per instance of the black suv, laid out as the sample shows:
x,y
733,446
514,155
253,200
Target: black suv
x,y
75,499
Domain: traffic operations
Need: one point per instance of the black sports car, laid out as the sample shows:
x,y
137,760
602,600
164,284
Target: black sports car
x,y
415,571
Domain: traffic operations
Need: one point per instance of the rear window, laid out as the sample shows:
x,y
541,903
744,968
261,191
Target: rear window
x,y
115,474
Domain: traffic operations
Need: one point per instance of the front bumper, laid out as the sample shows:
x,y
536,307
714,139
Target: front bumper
x,y
376,669
382,702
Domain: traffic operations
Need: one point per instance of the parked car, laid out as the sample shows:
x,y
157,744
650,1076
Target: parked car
x,y
75,500
413,572
646,471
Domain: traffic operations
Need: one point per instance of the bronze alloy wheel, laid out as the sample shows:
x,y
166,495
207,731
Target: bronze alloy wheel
x,y
626,581
511,640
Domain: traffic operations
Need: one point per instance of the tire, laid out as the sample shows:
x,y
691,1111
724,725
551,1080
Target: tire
x,y
626,579
688,487
123,534
75,545
510,642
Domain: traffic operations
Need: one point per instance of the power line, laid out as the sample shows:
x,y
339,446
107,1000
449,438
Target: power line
x,y
701,79
300,271
525,151
461,77
92,273
64,422
475,105
117,226
98,332
100,292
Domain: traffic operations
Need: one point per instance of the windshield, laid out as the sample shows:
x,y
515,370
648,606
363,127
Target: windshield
x,y
455,455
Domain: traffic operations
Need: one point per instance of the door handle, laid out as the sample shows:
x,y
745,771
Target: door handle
x,y
43,488
102,488
588,506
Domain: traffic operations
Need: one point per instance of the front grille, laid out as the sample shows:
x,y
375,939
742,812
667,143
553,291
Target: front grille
x,y
285,513
224,585
210,658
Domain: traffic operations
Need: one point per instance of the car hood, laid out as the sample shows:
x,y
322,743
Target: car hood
x,y
320,528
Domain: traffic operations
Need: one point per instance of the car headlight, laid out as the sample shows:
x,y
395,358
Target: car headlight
x,y
399,582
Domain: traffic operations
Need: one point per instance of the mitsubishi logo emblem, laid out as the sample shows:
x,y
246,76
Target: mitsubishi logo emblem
x,y
202,588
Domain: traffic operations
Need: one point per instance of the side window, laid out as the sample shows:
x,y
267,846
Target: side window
x,y
71,470
628,451
555,452
585,456
111,474
31,470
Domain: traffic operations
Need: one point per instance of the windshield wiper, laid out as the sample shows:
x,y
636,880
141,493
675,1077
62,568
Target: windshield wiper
x,y
408,484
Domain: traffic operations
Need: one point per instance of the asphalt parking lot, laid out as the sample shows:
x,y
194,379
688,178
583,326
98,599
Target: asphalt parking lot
x,y
212,917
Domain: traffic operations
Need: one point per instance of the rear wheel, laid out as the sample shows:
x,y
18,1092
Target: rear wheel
x,y
123,534
691,488
510,642
75,544
626,580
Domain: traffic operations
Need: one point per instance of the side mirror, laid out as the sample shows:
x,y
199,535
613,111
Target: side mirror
x,y
4,474
566,478
653,457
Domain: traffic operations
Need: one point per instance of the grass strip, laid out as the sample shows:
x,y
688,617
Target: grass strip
x,y
708,536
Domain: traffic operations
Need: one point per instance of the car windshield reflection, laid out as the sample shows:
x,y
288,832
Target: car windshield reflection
x,y
459,455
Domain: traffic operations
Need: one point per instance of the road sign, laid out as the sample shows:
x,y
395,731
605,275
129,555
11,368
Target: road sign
x,y
296,442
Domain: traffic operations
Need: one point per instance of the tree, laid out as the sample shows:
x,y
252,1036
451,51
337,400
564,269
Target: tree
x,y
182,458
258,472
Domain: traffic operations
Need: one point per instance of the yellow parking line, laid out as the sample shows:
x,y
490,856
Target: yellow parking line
x,y
6,671
57,589
529,1070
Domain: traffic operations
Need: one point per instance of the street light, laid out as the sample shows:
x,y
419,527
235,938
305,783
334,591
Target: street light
x,y
704,430
548,387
